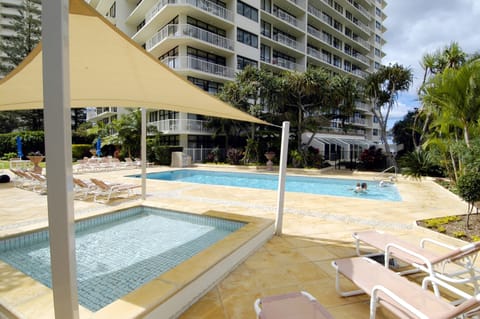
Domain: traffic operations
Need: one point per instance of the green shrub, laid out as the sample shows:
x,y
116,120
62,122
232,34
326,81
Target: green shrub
x,y
79,151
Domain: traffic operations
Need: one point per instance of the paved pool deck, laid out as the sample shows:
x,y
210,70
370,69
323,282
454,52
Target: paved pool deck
x,y
316,230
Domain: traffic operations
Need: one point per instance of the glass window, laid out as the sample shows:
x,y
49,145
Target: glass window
x,y
242,62
247,11
247,38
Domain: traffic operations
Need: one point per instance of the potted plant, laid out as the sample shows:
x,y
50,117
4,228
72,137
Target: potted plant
x,y
36,158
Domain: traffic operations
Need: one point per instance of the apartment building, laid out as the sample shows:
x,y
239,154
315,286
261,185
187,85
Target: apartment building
x,y
8,10
208,41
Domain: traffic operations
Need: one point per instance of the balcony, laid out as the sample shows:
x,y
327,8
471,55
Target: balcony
x,y
182,126
359,73
192,63
360,8
319,55
281,38
186,30
284,63
285,17
204,5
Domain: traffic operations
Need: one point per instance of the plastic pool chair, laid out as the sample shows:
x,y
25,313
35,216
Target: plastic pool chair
x,y
456,265
296,305
402,297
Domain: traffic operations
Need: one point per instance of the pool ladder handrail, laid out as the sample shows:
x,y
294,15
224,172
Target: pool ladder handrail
x,y
383,175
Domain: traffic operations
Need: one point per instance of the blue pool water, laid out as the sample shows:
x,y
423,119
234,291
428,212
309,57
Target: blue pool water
x,y
118,253
300,184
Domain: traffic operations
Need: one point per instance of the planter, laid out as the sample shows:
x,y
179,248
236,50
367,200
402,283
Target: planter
x,y
36,159
269,156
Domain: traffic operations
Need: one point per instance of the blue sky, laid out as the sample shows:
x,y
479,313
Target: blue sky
x,y
417,27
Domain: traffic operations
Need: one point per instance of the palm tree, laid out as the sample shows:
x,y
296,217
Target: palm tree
x,y
344,92
303,94
381,89
456,92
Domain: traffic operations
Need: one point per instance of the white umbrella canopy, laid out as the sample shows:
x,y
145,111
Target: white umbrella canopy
x,y
108,69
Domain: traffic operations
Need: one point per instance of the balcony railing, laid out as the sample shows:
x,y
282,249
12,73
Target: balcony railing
x,y
319,55
281,38
359,73
187,30
319,35
284,63
285,17
193,63
182,126
204,5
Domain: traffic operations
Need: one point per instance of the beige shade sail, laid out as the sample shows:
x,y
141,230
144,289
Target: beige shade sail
x,y
108,69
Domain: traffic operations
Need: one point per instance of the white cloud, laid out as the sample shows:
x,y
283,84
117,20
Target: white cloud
x,y
419,27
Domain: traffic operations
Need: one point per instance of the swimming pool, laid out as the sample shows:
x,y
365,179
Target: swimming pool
x,y
300,184
117,253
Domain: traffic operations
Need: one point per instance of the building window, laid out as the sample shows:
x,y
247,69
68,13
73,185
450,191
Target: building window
x,y
337,61
209,86
377,66
378,12
153,116
266,5
375,119
338,7
242,62
207,27
375,132
112,12
378,25
378,39
247,38
265,53
266,29
247,11
140,25
378,52
206,56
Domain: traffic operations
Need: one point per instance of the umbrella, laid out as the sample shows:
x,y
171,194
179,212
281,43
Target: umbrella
x,y
19,147
99,146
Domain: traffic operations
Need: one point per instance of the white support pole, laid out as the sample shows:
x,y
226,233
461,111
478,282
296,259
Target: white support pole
x,y
282,175
58,147
143,151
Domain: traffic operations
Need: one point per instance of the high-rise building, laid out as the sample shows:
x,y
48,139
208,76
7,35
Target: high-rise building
x,y
208,41
8,10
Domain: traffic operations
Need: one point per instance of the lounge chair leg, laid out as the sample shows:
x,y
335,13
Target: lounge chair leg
x,y
339,289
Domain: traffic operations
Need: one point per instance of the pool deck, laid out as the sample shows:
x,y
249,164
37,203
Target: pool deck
x,y
316,230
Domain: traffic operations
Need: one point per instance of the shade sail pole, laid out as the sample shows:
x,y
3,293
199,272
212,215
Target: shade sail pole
x,y
282,175
143,151
58,146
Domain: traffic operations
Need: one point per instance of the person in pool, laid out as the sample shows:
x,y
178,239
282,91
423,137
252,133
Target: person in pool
x,y
358,188
364,187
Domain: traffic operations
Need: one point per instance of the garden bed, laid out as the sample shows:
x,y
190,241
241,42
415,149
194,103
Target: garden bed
x,y
455,226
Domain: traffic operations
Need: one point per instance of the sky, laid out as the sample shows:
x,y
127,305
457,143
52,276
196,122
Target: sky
x,y
417,27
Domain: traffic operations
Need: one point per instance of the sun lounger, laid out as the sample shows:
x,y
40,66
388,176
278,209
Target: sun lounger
x,y
109,191
296,305
456,265
403,298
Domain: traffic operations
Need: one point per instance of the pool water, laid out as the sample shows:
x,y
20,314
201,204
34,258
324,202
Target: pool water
x,y
120,252
301,184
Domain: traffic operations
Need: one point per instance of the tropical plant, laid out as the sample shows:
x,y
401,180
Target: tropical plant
x,y
468,186
381,89
127,133
419,163
454,97
303,94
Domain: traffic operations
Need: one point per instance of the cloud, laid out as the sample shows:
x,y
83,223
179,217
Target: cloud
x,y
415,28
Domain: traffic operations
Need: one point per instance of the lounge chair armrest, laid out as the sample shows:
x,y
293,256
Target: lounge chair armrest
x,y
436,242
406,251
432,280
374,298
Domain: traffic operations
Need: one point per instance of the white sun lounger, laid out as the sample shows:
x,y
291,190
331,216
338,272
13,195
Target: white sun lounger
x,y
400,296
456,265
